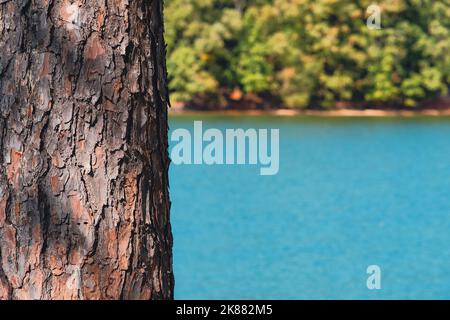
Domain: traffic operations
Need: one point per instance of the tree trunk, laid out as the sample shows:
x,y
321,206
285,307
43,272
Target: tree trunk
x,y
84,202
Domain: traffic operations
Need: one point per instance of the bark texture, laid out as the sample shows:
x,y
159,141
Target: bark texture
x,y
84,203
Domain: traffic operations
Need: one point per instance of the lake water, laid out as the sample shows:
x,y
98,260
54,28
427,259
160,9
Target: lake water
x,y
351,192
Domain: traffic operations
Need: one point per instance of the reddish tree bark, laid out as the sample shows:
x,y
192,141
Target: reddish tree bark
x,y
84,202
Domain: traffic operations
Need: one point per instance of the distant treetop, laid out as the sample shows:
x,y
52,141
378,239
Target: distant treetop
x,y
307,53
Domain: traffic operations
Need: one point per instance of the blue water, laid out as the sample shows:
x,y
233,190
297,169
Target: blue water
x,y
350,193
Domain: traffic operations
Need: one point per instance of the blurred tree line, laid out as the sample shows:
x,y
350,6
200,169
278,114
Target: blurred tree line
x,y
307,53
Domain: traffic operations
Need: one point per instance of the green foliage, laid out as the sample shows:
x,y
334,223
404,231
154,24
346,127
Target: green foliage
x,y
309,53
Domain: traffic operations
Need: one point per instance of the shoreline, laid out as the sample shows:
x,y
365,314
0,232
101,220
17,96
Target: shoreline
x,y
316,113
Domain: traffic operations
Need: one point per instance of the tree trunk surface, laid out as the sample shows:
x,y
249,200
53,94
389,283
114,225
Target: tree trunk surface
x,y
84,202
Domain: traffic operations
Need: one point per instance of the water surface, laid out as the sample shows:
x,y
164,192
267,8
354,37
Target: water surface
x,y
351,192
